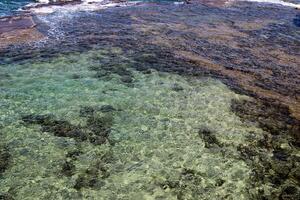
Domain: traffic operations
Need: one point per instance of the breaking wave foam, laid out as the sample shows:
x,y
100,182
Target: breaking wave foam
x,y
84,5
283,3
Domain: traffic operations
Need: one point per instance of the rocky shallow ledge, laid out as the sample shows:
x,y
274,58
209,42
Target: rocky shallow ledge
x,y
252,48
18,30
22,29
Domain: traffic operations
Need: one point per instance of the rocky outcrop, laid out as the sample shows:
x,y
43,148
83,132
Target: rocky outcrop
x,y
17,30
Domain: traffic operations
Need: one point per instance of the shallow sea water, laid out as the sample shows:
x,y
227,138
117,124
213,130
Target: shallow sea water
x,y
171,137
10,7
85,115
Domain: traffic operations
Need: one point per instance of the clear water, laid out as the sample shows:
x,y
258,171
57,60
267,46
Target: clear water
x,y
157,151
10,7
87,125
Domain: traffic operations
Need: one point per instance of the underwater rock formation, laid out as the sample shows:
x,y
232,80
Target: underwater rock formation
x,y
96,131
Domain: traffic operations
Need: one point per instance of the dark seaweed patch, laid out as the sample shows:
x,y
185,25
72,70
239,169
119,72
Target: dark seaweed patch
x,y
208,137
113,65
100,125
60,128
76,76
107,108
176,87
295,174
189,180
94,176
272,117
296,20
68,168
219,182
290,192
246,152
281,168
6,196
96,131
73,154
4,76
5,158
126,79
279,154
89,111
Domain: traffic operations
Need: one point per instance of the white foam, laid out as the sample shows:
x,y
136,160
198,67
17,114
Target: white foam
x,y
85,5
43,1
280,2
179,3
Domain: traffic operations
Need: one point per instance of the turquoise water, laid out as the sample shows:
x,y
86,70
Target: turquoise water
x,y
9,7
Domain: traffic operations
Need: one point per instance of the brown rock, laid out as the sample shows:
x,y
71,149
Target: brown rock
x,y
17,30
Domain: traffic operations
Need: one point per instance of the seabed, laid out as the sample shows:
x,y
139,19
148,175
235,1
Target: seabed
x,y
152,101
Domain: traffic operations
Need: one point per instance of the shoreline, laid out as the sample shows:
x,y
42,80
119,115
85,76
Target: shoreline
x,y
47,7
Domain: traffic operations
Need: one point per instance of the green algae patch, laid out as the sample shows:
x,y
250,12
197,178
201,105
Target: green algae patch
x,y
77,128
